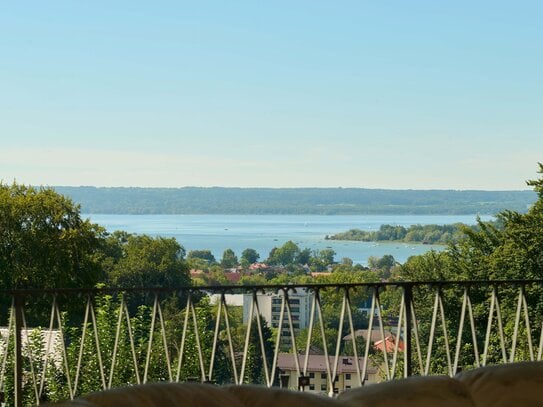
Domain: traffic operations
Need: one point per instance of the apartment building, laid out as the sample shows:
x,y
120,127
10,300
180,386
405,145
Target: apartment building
x,y
269,305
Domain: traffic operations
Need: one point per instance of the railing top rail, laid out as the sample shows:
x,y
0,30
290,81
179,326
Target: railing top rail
x,y
270,287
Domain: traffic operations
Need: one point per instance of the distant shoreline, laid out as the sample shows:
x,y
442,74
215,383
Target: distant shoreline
x,y
430,234
392,242
294,201
264,232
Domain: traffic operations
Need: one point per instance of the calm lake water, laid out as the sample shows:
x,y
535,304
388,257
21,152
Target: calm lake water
x,y
263,232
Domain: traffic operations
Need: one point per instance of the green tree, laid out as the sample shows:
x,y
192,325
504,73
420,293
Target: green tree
x,y
254,371
511,248
229,259
346,261
202,254
216,276
383,264
316,345
145,261
244,264
250,255
285,254
195,263
44,242
304,257
327,256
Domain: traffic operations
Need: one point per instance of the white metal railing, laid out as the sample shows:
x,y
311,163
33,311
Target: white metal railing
x,y
440,327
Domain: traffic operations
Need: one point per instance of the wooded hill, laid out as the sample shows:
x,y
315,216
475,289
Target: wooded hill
x,y
425,234
321,201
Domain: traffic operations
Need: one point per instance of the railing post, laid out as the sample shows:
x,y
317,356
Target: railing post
x,y
408,296
18,359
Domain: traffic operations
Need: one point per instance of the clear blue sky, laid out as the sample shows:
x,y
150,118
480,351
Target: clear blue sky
x,y
378,94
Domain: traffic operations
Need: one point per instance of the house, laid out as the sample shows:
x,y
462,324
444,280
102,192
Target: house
x,y
258,267
376,339
389,344
375,335
317,372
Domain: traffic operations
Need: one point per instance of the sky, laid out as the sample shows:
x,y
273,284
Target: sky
x,y
373,94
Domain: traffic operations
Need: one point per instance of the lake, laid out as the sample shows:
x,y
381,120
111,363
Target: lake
x,y
263,232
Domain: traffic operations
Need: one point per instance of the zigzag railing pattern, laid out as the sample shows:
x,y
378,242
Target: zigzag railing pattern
x,y
101,338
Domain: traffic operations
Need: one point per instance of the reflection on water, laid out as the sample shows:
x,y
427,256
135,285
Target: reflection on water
x,y
263,232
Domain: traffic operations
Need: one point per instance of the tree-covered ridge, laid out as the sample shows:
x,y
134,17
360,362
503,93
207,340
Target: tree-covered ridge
x,y
425,234
512,251
319,201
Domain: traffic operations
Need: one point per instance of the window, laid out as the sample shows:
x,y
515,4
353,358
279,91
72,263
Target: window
x,y
312,375
311,387
323,387
347,387
347,376
294,301
323,375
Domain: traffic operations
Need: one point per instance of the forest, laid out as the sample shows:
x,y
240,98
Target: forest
x,y
425,234
318,201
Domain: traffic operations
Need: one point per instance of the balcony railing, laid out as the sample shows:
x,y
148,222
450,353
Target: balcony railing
x,y
58,344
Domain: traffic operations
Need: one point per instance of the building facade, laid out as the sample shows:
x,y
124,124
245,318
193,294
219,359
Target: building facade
x,y
317,373
269,305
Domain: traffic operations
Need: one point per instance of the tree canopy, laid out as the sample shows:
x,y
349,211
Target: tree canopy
x,y
144,261
426,234
44,242
284,255
203,255
250,255
229,259
512,251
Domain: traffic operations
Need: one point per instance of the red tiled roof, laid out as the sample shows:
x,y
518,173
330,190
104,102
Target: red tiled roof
x,y
390,344
257,266
375,334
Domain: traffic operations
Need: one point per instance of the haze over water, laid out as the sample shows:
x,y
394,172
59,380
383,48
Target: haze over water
x,y
263,232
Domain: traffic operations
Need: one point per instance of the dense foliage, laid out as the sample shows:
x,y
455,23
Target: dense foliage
x,y
322,201
148,358
514,250
44,242
425,234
